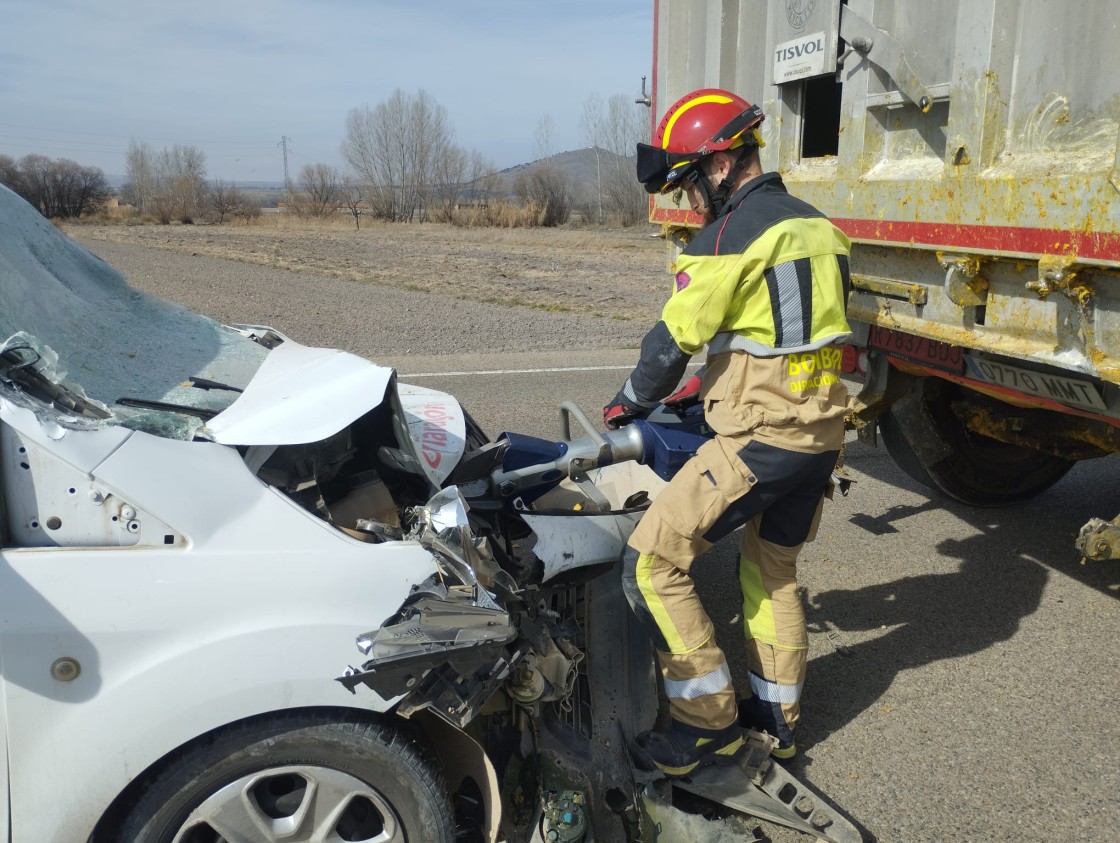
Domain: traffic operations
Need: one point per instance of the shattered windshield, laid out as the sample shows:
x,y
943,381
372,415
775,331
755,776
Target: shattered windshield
x,y
71,325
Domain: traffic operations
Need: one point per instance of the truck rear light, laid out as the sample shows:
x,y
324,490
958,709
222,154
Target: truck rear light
x,y
853,360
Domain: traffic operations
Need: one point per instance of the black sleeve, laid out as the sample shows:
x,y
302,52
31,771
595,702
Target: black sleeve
x,y
661,365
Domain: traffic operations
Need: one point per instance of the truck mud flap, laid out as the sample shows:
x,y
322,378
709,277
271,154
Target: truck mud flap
x,y
759,787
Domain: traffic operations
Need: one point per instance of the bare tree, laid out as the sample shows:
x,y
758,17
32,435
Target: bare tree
x,y
57,188
224,199
393,148
170,183
433,141
80,189
11,177
592,122
449,174
351,193
182,184
546,190
248,211
372,165
625,127
544,136
485,183
35,171
140,167
613,130
320,185
9,171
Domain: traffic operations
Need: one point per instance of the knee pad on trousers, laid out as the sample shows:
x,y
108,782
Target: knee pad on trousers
x,y
637,600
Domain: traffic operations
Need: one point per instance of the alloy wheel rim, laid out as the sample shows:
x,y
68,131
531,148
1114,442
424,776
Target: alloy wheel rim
x,y
294,804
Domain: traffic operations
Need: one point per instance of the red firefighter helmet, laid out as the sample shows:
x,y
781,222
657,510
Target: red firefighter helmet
x,y
698,124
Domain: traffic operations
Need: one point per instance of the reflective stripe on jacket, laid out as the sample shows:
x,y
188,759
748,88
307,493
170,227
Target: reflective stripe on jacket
x,y
769,276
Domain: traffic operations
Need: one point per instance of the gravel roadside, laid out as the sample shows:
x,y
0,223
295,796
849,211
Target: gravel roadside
x,y
613,273
370,319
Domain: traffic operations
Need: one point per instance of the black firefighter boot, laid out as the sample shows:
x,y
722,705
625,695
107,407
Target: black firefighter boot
x,y
681,749
767,717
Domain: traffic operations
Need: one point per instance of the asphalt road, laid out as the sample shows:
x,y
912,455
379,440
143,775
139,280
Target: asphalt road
x,y
964,682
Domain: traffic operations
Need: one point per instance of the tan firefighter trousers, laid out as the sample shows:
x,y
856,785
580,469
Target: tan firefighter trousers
x,y
731,482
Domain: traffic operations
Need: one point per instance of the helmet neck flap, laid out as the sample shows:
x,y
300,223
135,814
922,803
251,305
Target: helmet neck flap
x,y
716,198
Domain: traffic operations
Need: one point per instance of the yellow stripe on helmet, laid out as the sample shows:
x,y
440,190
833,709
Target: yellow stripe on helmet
x,y
698,101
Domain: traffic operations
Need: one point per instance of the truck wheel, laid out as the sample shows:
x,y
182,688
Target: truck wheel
x,y
297,777
931,444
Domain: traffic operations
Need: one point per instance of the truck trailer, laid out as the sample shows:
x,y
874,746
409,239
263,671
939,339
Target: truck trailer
x,y
969,150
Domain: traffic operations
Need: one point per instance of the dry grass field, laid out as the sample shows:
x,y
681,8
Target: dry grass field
x,y
616,273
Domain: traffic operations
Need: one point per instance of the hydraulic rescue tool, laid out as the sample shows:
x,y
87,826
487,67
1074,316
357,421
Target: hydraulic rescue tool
x,y
533,652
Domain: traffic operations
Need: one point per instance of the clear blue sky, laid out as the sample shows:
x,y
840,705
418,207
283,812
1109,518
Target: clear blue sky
x,y
79,79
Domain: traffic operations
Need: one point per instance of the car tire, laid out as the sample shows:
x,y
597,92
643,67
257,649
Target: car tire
x,y
295,777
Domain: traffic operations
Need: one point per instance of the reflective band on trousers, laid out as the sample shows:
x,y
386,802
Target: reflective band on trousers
x,y
690,689
773,692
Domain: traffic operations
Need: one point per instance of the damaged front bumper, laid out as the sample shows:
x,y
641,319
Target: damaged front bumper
x,y
447,653
553,677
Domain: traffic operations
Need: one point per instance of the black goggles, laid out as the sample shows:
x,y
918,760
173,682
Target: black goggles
x,y
658,168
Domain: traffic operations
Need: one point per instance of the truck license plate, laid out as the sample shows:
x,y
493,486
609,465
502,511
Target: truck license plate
x,y
1071,391
940,355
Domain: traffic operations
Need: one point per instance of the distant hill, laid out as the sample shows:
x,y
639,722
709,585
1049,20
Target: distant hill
x,y
117,181
578,164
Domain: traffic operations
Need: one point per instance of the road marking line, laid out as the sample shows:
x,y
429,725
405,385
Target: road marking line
x,y
515,371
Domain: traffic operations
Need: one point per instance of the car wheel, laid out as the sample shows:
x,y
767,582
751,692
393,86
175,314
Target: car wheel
x,y
292,778
931,443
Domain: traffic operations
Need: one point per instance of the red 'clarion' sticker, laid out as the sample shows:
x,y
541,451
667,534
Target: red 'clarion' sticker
x,y
433,438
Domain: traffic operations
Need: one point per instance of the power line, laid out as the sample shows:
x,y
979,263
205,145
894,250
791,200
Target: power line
x,y
322,155
245,142
54,142
92,147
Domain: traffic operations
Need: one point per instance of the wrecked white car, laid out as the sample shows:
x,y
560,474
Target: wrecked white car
x,y
197,520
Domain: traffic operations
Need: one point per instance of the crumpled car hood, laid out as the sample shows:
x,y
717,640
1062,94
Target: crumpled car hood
x,y
301,395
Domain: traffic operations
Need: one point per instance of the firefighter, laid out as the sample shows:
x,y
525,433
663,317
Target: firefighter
x,y
764,286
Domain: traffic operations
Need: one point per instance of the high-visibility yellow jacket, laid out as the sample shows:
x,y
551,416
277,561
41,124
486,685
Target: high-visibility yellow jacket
x,y
769,277
765,288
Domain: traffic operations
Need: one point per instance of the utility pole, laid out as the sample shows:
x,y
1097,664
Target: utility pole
x,y
284,145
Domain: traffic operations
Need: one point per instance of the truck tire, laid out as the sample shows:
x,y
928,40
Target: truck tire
x,y
300,776
932,445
